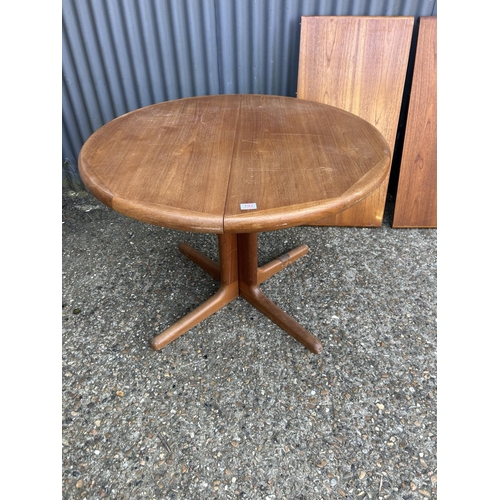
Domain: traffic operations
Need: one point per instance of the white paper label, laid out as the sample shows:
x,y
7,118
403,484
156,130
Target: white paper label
x,y
248,206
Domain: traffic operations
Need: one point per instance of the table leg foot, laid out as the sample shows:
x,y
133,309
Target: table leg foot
x,y
255,296
266,271
224,295
200,259
250,291
228,290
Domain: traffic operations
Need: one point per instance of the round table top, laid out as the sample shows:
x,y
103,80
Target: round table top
x,y
234,163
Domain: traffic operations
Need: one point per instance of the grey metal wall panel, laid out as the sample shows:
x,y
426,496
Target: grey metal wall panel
x,y
119,55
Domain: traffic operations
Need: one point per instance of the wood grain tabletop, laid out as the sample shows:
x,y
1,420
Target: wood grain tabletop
x,y
234,163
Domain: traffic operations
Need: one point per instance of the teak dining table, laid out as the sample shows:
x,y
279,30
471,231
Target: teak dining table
x,y
234,165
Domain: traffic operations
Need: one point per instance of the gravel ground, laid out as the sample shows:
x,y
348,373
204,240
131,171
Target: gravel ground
x,y
236,408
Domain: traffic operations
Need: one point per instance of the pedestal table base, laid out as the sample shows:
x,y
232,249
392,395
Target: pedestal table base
x,y
239,276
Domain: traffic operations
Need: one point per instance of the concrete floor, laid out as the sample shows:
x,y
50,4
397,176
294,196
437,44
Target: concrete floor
x,y
236,408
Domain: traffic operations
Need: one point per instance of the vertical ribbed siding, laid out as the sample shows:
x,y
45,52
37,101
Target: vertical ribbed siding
x,y
119,55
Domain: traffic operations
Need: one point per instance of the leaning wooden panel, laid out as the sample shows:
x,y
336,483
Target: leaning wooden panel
x,y
416,198
358,64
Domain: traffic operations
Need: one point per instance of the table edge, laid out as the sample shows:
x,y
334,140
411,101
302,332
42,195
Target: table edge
x,y
304,213
152,213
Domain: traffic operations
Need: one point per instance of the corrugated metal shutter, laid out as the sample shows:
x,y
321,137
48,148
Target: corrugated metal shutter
x,y
119,55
